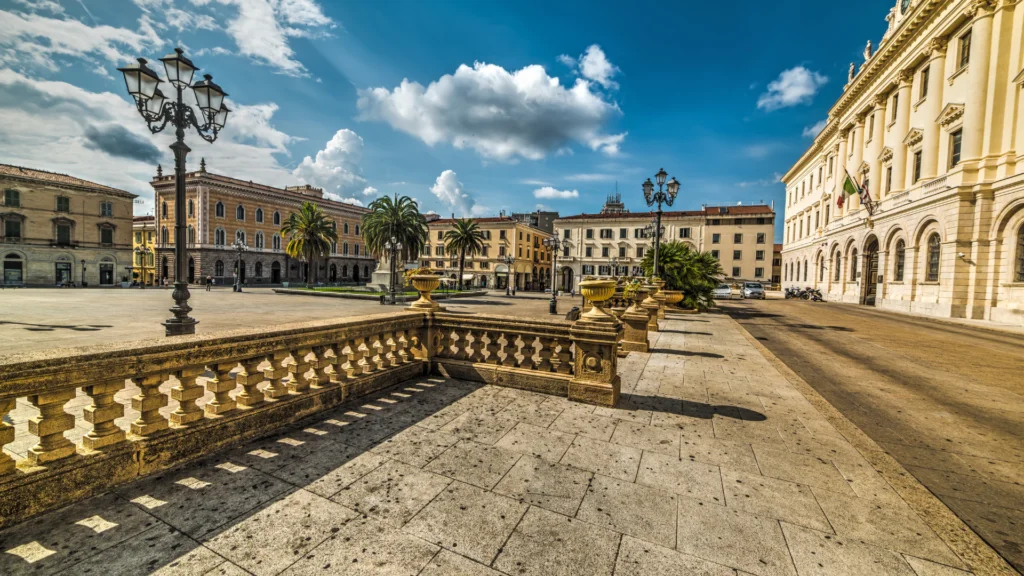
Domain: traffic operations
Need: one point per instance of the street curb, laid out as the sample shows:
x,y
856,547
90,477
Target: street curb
x,y
981,558
358,296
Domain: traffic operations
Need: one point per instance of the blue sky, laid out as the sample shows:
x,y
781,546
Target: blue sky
x,y
469,107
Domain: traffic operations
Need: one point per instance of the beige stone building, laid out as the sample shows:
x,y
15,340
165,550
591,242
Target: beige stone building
x,y
504,236
223,210
144,249
57,229
933,122
614,242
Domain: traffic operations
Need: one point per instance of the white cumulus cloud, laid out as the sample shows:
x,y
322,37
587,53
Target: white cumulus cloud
x,y
812,131
502,115
336,167
549,193
452,193
793,87
369,191
593,65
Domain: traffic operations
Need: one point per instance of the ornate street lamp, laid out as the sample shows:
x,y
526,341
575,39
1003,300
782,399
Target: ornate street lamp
x,y
393,246
509,260
239,247
555,244
613,263
159,111
667,197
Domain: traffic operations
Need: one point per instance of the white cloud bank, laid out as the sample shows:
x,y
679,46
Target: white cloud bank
x,y
336,167
793,87
813,131
593,65
549,193
502,115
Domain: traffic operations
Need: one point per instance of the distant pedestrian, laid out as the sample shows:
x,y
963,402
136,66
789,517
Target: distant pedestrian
x,y
209,283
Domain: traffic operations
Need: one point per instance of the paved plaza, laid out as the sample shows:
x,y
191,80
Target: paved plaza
x,y
42,318
715,463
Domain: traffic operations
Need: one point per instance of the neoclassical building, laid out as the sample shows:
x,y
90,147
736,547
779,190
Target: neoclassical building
x,y
56,229
615,241
503,236
933,124
222,210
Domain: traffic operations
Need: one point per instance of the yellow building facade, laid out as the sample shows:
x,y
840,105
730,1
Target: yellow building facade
x,y
58,230
503,236
933,124
144,250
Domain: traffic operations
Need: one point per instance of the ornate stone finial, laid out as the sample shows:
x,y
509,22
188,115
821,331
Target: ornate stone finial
x,y
202,164
159,171
867,51
852,72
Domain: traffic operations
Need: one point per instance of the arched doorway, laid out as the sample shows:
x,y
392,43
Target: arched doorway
x,y
164,268
14,270
191,270
334,273
107,271
870,272
566,279
355,273
275,273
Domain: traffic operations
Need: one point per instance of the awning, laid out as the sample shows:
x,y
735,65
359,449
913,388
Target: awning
x,y
467,277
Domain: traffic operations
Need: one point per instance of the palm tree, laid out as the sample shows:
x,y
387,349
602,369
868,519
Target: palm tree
x,y
465,238
310,235
694,273
395,219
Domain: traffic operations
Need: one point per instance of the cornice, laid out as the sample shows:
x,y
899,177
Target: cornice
x,y
886,154
950,114
914,137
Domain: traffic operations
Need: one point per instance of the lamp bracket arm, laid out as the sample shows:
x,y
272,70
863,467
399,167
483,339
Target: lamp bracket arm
x,y
206,131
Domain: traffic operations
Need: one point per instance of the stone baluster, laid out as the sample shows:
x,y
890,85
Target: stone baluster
x,y
403,347
475,348
249,378
390,341
322,365
299,383
510,349
491,347
148,402
545,354
378,352
221,386
275,374
563,356
102,413
6,435
351,365
363,351
527,350
50,425
186,393
445,343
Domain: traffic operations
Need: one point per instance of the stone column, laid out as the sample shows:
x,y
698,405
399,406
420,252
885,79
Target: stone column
x,y
840,173
595,365
899,132
932,109
853,202
875,185
977,81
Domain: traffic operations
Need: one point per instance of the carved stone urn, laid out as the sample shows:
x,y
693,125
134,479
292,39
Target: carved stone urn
x,y
673,296
597,291
425,284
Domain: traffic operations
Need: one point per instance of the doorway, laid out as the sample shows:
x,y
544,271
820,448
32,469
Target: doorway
x,y
63,273
871,270
106,274
355,273
275,273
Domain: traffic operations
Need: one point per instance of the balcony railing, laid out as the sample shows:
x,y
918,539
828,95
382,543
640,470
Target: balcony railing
x,y
196,394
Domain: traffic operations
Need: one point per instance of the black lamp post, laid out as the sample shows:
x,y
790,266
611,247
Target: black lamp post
x,y
393,246
555,244
158,111
613,263
239,247
509,260
83,273
660,197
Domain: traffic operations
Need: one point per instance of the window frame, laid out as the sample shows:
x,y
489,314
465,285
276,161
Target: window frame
x,y
964,57
933,260
899,261
10,193
956,139
1019,277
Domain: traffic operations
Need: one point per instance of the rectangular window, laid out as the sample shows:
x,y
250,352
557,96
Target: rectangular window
x,y
565,251
917,166
606,234
590,233
63,234
759,255
588,252
604,252
623,233
760,237
485,251
871,127
604,270
830,160
438,264
735,271
12,198
501,234
684,232
63,204
588,269
895,106
138,237
737,255
965,49
106,236
955,139
737,238
925,75
106,209
622,251
758,272
501,250
888,178
12,228
716,238
440,235
714,254
639,251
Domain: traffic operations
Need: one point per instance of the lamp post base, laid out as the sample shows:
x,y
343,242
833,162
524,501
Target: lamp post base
x,y
182,323
553,306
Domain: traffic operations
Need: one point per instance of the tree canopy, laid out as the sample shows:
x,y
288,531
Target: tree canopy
x,y
310,234
692,272
465,238
397,218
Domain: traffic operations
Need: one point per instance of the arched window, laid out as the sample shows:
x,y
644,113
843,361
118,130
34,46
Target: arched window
x,y
258,270
259,215
901,260
934,253
853,265
259,240
821,271
164,238
240,236
344,248
355,249
366,271
191,208
219,210
334,247
240,213
163,210
219,237
218,268
191,235
345,227
839,267
785,272
344,270
277,218
276,242
1019,277
806,277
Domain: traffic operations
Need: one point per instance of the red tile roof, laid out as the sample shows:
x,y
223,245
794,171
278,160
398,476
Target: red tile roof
x,y
758,209
57,178
488,220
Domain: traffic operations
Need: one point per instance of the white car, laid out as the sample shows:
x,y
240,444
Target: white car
x,y
723,292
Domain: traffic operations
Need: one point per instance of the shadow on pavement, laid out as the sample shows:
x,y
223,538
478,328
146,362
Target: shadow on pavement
x,y
685,353
689,408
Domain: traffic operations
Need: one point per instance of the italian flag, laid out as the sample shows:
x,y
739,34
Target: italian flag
x,y
850,188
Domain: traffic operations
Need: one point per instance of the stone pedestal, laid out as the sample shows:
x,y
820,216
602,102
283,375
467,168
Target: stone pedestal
x,y
634,335
660,298
595,370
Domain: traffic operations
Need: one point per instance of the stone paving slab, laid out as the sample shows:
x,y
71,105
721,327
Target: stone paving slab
x,y
715,464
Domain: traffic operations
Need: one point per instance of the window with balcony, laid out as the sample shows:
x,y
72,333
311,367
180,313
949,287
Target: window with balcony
x,y
12,198
955,140
622,251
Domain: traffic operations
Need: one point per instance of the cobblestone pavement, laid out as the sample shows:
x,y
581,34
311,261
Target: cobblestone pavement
x,y
42,318
714,464
945,400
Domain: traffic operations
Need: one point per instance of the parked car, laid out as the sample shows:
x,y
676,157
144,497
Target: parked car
x,y
753,290
723,292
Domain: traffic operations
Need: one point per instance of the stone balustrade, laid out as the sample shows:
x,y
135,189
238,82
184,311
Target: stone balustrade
x,y
149,405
